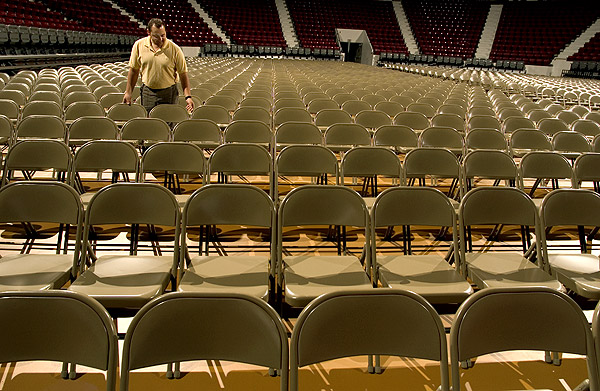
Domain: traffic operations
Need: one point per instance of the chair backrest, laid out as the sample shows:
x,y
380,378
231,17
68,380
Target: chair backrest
x,y
174,157
226,102
100,155
78,96
569,141
123,112
169,113
441,137
415,121
298,133
513,123
154,129
306,160
40,107
39,319
110,99
134,203
347,135
587,168
93,128
400,136
251,113
551,126
199,131
240,159
424,108
489,164
544,165
317,105
372,119
524,318
484,121
328,117
41,126
481,138
587,127
454,121
10,109
13,95
530,139
37,155
210,329
354,107
248,131
366,161
351,323
510,206
287,114
217,114
83,109
436,162
390,108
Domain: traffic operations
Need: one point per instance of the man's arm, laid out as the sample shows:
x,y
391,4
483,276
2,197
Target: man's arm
x,y
132,77
185,86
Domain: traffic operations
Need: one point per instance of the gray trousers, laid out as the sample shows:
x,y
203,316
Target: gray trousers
x,y
151,97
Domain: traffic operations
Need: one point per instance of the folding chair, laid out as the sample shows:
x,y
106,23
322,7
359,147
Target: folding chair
x,y
219,326
228,204
124,283
29,204
500,206
59,325
304,277
33,155
428,274
573,208
519,318
351,323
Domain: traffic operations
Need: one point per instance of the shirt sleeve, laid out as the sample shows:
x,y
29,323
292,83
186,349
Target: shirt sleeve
x,y
134,60
180,63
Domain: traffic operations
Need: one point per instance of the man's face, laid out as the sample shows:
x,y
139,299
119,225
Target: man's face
x,y
158,35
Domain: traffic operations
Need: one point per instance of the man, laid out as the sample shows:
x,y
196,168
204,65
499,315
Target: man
x,y
159,60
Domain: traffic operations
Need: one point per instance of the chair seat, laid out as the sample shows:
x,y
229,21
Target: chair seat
x,y
235,274
428,275
29,272
307,277
578,272
125,281
506,270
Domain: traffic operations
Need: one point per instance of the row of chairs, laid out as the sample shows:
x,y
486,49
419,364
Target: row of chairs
x,y
127,282
332,326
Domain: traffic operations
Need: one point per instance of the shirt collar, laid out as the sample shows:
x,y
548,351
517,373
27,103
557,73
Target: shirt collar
x,y
149,44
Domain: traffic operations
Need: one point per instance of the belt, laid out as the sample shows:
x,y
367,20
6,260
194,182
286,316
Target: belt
x,y
157,89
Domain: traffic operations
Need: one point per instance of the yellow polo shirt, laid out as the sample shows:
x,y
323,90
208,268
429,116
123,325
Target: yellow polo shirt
x,y
159,68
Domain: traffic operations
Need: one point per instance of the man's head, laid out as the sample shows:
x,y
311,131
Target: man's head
x,y
156,31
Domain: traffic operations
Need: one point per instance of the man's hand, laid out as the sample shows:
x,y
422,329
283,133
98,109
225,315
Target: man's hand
x,y
190,105
127,98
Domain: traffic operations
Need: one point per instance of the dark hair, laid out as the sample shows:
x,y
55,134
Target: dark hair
x,y
155,22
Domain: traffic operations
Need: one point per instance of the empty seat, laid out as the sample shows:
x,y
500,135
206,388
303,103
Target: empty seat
x,y
304,277
127,282
231,204
580,273
342,324
34,202
501,269
59,326
532,318
427,274
210,324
